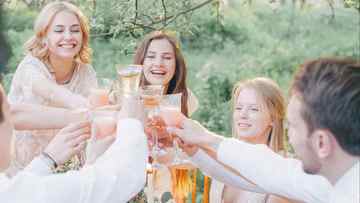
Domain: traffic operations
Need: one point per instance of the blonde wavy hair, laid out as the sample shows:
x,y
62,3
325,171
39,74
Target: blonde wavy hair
x,y
36,46
273,99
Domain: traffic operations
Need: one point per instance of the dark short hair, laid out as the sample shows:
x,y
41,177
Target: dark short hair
x,y
330,93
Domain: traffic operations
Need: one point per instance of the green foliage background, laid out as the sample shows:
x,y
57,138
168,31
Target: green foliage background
x,y
221,47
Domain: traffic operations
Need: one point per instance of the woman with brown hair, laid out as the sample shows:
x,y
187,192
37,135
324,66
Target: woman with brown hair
x,y
164,64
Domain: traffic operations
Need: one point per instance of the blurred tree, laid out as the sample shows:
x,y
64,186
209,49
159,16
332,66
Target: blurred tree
x,y
136,17
352,4
5,51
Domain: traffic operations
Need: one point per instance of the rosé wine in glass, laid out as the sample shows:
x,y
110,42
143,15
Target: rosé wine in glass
x,y
104,126
98,97
172,116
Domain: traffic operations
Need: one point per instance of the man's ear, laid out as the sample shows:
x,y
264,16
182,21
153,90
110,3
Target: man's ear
x,y
322,143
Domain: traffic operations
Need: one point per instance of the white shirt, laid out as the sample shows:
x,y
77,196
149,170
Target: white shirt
x,y
273,173
115,177
347,188
221,176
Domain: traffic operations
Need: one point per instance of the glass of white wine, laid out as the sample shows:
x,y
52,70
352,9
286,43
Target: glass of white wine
x,y
129,77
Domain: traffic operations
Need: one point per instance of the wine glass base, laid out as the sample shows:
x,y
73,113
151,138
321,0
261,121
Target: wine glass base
x,y
181,164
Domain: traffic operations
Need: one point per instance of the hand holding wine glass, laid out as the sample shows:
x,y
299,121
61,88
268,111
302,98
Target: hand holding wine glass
x,y
170,111
156,123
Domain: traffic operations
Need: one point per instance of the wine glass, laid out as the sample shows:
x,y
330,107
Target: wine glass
x,y
170,111
151,97
129,77
100,96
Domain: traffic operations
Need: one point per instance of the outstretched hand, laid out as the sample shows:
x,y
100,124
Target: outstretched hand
x,y
191,132
68,142
98,145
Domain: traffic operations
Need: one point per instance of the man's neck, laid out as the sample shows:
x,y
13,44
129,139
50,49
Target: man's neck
x,y
337,167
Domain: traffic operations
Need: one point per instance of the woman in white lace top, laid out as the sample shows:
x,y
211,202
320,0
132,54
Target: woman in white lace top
x,y
55,72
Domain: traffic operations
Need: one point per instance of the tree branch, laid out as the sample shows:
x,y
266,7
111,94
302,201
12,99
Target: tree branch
x,y
174,17
166,20
136,10
164,8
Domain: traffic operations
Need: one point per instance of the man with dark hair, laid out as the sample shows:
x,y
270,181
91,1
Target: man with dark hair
x,y
324,130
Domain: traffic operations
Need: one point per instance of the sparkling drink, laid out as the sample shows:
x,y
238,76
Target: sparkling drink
x,y
129,77
104,126
151,101
172,115
157,124
98,97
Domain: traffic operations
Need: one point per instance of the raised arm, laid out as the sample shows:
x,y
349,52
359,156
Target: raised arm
x,y
259,164
38,117
215,170
57,95
115,177
272,172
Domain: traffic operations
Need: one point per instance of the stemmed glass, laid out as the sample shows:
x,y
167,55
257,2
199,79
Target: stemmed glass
x,y
170,111
151,97
129,77
100,96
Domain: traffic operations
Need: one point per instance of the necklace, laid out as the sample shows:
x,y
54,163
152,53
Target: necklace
x,y
67,77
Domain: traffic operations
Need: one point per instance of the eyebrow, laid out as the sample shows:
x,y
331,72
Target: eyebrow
x,y
249,104
163,53
74,25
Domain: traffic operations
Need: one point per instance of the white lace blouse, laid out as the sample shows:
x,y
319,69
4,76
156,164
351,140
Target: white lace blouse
x,y
28,144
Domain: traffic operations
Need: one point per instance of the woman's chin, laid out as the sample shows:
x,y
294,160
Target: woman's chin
x,y
156,81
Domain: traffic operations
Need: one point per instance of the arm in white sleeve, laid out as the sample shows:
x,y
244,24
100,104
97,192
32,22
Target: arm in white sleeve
x,y
272,172
115,177
39,167
214,169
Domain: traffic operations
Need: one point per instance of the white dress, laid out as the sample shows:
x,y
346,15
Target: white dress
x,y
28,144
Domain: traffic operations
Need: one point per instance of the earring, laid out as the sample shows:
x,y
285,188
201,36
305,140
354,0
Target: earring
x,y
44,43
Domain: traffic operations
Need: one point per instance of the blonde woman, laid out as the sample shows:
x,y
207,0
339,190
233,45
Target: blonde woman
x,y
55,72
258,114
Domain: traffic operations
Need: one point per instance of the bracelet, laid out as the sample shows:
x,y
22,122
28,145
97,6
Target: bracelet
x,y
52,160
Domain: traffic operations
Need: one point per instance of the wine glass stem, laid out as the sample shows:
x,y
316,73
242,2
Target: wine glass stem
x,y
176,148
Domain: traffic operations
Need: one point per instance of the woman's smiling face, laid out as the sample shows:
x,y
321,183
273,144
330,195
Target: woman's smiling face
x,y
159,63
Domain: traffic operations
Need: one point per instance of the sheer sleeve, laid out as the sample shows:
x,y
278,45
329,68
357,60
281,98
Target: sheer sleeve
x,y
21,89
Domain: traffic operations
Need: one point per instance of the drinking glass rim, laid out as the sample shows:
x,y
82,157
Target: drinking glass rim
x,y
132,67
